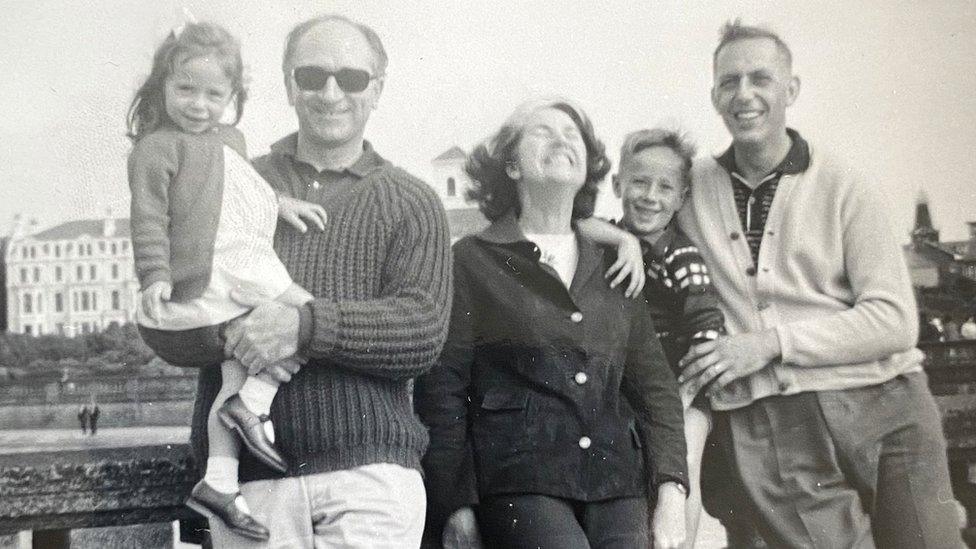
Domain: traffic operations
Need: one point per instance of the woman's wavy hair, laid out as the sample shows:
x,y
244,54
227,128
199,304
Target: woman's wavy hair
x,y
496,193
148,109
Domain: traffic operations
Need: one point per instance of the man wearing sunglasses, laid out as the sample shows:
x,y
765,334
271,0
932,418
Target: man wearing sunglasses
x,y
380,274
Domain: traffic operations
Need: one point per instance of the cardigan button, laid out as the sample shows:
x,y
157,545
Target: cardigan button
x,y
585,442
751,271
576,317
734,236
581,378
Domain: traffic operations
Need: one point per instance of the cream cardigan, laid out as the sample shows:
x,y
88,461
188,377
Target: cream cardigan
x,y
831,280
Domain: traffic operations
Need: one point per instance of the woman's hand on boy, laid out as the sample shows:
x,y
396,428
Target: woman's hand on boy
x,y
630,262
294,211
153,297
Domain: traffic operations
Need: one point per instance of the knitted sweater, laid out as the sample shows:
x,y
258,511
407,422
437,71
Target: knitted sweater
x,y
381,277
177,182
830,279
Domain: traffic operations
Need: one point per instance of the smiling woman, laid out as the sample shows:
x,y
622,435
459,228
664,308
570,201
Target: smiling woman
x,y
552,399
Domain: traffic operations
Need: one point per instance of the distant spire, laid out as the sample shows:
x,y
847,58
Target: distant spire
x,y
923,231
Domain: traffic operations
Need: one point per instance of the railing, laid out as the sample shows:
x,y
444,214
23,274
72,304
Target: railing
x,y
51,493
106,388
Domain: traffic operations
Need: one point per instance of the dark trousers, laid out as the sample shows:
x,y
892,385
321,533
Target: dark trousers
x,y
535,521
859,467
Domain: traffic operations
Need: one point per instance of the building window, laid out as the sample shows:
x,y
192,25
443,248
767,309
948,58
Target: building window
x,y
45,249
57,250
84,328
28,329
58,302
79,272
115,248
115,271
88,249
28,303
33,252
40,303
91,272
94,301
85,301
13,252
125,245
101,245
60,328
451,190
116,302
57,274
23,275
68,247
74,301
37,274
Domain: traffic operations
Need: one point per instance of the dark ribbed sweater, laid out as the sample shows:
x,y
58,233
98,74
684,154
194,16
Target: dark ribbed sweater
x,y
381,277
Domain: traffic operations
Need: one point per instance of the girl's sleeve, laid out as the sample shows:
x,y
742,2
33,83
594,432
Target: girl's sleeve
x,y
152,165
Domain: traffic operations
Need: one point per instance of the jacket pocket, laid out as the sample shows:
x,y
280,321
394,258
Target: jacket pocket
x,y
498,399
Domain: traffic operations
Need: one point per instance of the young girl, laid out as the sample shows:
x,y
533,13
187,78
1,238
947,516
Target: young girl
x,y
202,225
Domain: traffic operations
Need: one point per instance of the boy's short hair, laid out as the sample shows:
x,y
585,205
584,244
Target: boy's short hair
x,y
676,140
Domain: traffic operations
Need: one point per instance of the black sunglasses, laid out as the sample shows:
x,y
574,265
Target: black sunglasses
x,y
314,78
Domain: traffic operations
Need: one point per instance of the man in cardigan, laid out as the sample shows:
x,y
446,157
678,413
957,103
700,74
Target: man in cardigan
x,y
380,274
824,409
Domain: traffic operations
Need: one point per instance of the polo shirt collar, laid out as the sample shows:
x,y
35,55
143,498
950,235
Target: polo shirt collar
x,y
797,160
367,162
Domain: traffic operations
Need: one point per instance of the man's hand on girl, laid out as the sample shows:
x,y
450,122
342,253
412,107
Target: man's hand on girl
x,y
294,211
268,334
153,297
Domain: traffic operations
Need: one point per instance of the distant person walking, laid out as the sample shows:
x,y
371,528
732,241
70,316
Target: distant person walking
x,y
93,417
84,415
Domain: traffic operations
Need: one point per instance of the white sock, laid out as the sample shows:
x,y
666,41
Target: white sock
x,y
242,505
221,474
258,395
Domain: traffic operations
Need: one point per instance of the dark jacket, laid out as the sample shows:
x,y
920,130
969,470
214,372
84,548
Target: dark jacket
x,y
542,390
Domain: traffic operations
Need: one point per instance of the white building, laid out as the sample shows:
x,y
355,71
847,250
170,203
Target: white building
x,y
451,183
76,277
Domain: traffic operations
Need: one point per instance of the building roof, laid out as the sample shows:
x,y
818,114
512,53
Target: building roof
x,y
962,250
74,229
454,153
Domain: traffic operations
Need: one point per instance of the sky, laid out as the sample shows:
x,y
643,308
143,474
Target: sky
x,y
888,84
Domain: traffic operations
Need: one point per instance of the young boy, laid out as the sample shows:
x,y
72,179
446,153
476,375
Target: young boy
x,y
653,180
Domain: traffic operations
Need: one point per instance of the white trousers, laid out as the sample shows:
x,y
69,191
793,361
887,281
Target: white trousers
x,y
380,505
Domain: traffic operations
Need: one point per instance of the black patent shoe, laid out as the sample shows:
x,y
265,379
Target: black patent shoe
x,y
236,416
220,506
